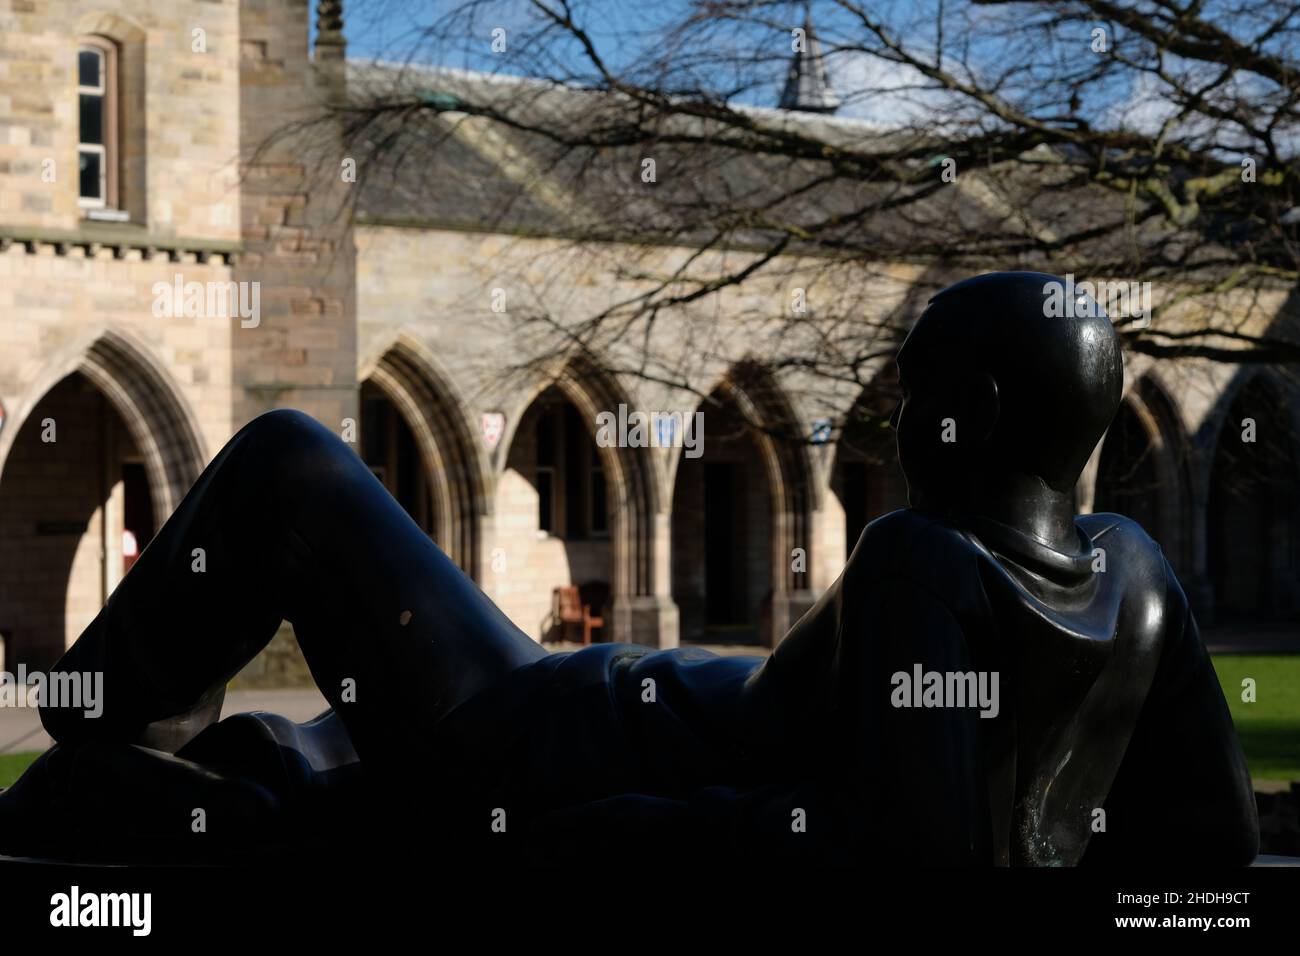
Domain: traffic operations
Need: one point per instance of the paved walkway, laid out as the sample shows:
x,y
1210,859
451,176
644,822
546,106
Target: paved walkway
x,y
1252,639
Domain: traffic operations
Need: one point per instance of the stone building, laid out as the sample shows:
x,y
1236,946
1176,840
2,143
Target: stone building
x,y
171,266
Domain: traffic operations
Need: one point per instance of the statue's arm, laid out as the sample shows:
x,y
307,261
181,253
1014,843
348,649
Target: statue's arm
x,y
1183,792
927,764
913,779
839,773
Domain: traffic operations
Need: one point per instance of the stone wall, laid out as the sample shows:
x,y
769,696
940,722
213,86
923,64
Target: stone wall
x,y
180,112
214,194
296,232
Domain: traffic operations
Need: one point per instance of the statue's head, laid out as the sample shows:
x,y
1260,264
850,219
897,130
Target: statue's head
x,y
1010,372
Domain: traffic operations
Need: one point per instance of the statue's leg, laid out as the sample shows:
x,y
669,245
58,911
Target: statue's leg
x,y
287,522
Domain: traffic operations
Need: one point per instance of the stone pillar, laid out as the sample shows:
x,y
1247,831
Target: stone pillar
x,y
787,608
651,619
647,619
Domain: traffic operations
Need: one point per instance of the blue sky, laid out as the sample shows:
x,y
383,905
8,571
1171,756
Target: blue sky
x,y
633,32
626,30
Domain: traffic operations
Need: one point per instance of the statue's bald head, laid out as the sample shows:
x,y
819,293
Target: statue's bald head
x,y
1032,369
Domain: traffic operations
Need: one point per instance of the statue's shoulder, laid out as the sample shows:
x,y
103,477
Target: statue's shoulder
x,y
1147,573
907,526
913,544
1108,522
1117,533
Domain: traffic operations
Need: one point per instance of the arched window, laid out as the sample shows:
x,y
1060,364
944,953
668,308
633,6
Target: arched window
x,y
98,160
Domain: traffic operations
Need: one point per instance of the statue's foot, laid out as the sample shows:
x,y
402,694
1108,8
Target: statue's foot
x,y
299,763
120,803
252,786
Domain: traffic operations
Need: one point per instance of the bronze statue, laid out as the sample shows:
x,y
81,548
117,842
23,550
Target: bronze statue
x,y
991,680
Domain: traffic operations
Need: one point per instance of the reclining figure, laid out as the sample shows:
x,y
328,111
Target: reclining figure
x,y
1110,740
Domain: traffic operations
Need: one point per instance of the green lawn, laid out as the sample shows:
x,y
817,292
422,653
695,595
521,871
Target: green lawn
x,y
1269,728
13,765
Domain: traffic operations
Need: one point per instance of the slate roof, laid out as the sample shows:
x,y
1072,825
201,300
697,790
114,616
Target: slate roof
x,y
441,168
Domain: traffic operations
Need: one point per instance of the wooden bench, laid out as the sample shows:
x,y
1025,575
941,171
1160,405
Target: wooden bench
x,y
572,607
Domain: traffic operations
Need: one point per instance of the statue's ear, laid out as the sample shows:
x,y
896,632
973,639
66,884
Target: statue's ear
x,y
983,404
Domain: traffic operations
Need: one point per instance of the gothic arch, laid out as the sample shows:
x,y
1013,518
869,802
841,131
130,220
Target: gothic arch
x,y
145,395
1253,510
596,529
750,395
634,490
865,475
629,472
1247,381
73,512
1144,470
451,455
785,453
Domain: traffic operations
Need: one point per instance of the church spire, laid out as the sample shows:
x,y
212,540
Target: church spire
x,y
330,44
807,87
